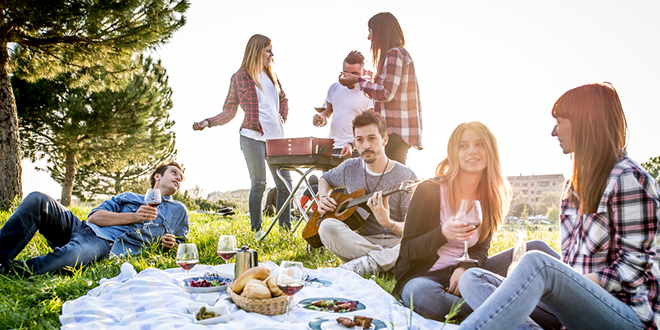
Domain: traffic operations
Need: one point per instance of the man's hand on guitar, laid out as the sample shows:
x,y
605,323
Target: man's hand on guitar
x,y
380,208
327,204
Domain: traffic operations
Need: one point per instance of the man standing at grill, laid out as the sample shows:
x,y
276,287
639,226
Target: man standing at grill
x,y
374,246
343,103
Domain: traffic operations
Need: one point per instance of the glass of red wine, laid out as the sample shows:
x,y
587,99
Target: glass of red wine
x,y
152,198
290,281
186,256
470,213
227,247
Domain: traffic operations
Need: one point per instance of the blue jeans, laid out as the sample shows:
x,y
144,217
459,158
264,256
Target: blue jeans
x,y
431,300
74,243
255,157
577,302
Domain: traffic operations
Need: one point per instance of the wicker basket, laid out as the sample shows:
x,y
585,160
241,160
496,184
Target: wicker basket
x,y
272,306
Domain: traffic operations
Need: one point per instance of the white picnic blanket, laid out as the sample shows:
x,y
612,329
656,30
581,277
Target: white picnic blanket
x,y
156,299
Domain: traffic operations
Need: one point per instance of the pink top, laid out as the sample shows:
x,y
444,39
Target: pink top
x,y
448,253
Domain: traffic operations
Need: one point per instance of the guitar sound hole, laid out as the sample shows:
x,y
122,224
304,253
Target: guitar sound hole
x,y
342,207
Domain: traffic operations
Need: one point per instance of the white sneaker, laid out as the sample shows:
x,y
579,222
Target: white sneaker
x,y
365,266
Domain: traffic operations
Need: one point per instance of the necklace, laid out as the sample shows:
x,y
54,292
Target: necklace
x,y
381,176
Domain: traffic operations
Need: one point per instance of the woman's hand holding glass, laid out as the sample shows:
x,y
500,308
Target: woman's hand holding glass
x,y
470,214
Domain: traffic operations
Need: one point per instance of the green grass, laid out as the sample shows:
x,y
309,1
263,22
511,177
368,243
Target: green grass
x,y
36,302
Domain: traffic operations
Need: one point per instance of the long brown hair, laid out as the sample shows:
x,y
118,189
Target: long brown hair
x,y
253,60
494,188
386,34
598,138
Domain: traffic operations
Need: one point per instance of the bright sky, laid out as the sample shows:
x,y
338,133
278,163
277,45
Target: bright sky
x,y
503,63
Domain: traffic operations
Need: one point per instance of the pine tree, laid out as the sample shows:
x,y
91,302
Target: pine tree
x,y
99,140
92,40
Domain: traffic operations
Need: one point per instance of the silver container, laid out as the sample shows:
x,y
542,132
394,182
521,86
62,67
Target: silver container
x,y
246,258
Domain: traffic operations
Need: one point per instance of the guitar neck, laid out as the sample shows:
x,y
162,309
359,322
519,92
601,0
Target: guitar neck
x,y
365,198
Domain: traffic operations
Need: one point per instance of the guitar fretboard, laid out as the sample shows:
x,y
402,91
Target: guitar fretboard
x,y
365,198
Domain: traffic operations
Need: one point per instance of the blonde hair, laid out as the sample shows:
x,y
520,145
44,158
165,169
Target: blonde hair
x,y
253,61
598,139
494,188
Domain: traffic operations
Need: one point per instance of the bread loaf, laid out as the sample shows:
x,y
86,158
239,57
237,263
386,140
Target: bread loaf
x,y
271,281
256,289
259,273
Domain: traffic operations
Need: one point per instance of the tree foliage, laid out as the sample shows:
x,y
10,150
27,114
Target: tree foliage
x,y
99,140
653,167
92,41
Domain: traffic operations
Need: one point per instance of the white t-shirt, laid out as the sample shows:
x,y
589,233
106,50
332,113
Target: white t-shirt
x,y
269,112
346,104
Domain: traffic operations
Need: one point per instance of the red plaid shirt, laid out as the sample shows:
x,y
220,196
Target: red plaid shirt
x,y
243,92
397,96
618,242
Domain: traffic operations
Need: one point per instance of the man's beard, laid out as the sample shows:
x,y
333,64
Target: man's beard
x,y
373,159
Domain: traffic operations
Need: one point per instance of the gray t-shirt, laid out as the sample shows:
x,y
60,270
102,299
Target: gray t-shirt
x,y
351,175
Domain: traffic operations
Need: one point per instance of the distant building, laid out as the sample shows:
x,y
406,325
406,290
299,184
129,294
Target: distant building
x,y
531,188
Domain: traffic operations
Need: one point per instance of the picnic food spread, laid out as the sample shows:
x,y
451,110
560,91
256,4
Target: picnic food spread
x,y
334,305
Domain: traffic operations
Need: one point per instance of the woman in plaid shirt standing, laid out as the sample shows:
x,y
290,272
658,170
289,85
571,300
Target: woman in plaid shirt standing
x,y
257,90
609,219
394,89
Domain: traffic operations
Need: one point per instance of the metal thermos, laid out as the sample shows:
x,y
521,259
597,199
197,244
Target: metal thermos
x,y
246,258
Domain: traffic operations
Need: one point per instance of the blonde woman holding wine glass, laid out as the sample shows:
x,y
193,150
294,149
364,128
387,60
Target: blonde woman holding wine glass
x,y
433,257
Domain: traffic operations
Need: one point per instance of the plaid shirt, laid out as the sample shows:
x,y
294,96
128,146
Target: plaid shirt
x,y
243,92
397,96
619,241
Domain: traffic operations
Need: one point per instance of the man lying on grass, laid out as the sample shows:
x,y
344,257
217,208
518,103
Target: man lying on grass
x,y
120,225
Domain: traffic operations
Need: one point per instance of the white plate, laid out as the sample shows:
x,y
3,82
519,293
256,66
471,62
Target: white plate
x,y
220,288
222,310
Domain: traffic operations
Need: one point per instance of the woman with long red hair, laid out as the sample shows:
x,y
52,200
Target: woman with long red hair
x,y
608,276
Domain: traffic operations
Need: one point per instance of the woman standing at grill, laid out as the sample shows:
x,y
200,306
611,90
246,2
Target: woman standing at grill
x,y
257,90
394,88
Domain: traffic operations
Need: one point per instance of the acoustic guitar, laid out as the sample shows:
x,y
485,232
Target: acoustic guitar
x,y
349,210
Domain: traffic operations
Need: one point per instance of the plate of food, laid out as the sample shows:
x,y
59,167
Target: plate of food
x,y
343,323
205,284
331,305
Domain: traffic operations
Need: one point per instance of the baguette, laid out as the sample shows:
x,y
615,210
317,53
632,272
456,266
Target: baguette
x,y
259,273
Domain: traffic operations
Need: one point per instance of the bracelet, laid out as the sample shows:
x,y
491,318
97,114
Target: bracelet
x,y
393,226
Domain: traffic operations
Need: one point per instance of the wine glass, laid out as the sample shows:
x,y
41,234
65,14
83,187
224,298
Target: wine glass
x,y
152,198
290,281
227,247
186,256
470,213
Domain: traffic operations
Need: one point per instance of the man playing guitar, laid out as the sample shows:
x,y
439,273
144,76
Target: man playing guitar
x,y
374,246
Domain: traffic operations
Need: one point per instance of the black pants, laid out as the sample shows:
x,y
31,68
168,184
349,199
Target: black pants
x,y
397,149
